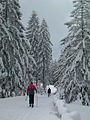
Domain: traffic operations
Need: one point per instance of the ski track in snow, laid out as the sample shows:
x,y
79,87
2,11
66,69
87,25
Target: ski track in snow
x,y
44,111
17,109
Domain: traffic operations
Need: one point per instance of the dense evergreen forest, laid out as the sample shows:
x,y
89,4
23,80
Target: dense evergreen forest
x,y
26,53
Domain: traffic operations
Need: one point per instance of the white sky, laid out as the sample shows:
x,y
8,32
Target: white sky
x,y
55,12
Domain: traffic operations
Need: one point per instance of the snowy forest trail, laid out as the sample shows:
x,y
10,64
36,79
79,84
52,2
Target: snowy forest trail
x,y
17,109
44,111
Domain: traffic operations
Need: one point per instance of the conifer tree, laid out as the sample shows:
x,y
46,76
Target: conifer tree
x,y
45,53
74,60
14,49
32,33
53,68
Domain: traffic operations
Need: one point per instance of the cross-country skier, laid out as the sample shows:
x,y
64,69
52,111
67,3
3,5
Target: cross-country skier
x,y
30,91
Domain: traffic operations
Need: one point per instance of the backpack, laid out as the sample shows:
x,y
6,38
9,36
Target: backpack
x,y
31,91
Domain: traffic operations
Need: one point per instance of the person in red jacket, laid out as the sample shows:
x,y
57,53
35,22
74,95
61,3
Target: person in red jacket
x,y
30,91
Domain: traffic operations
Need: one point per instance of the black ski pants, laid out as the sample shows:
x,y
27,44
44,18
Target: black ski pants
x,y
31,99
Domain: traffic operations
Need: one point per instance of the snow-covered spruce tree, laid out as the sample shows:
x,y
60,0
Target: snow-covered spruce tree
x,y
3,56
14,49
53,69
45,54
3,70
32,33
73,68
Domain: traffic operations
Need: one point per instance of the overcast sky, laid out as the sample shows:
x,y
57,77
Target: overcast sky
x,y
55,12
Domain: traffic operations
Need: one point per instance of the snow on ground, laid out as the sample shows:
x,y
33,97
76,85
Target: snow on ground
x,y
63,111
83,110
16,108
73,111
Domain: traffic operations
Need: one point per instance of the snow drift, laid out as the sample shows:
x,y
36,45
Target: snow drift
x,y
63,111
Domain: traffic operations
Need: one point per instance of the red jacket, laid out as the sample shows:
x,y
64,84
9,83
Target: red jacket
x,y
29,86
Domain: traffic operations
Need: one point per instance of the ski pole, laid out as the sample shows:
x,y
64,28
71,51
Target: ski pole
x,y
36,100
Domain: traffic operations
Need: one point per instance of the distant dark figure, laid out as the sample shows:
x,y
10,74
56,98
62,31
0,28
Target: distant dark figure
x,y
30,92
49,92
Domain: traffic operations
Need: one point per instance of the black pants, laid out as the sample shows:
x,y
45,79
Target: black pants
x,y
31,99
49,94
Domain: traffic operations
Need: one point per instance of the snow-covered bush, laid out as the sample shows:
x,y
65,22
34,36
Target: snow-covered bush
x,y
63,111
71,116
